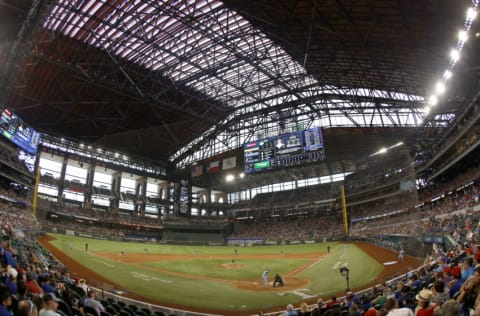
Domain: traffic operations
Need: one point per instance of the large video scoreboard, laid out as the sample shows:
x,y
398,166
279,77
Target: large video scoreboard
x,y
13,128
285,150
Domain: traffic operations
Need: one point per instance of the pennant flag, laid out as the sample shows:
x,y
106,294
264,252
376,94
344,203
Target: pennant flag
x,y
214,166
229,163
197,171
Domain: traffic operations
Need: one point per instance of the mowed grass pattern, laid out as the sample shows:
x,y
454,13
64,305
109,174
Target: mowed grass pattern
x,y
176,284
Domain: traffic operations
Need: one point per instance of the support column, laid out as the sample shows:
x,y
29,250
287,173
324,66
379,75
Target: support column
x,y
116,181
140,195
61,181
89,185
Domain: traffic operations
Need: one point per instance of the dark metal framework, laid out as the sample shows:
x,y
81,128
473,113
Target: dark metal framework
x,y
202,77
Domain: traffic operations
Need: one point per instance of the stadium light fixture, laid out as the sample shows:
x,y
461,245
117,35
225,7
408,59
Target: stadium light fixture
x,y
447,75
396,145
462,36
440,87
229,177
382,150
241,175
471,14
433,100
455,55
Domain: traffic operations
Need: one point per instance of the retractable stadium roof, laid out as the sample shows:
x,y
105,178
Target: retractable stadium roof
x,y
184,80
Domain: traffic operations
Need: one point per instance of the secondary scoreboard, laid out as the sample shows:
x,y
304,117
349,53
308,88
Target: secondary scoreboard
x,y
285,150
13,128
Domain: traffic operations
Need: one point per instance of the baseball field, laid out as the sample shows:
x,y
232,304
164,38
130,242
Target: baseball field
x,y
215,279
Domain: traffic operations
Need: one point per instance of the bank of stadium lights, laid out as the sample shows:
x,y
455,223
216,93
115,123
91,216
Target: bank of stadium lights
x,y
455,54
384,150
230,177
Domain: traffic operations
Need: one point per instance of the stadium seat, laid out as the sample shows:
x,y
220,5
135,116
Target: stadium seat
x,y
116,307
124,313
76,311
89,310
61,312
111,310
64,307
133,307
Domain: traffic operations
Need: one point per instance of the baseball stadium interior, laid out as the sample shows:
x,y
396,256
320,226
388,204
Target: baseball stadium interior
x,y
247,124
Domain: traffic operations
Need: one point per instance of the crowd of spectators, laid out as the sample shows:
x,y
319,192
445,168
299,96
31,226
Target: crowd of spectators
x,y
106,215
86,228
431,216
32,282
9,155
433,190
448,284
457,138
288,229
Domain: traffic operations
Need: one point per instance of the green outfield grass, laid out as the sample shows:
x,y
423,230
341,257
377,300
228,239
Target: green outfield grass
x,y
178,283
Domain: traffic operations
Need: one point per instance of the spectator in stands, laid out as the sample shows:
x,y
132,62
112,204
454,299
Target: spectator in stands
x,y
38,301
366,302
11,280
469,292
32,285
27,308
391,308
354,310
303,310
381,299
371,312
457,281
439,295
333,302
46,285
468,268
21,290
50,305
449,308
424,307
290,311
317,311
92,302
82,284
414,282
5,301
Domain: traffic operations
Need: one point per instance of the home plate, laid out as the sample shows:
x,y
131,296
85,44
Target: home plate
x,y
389,263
